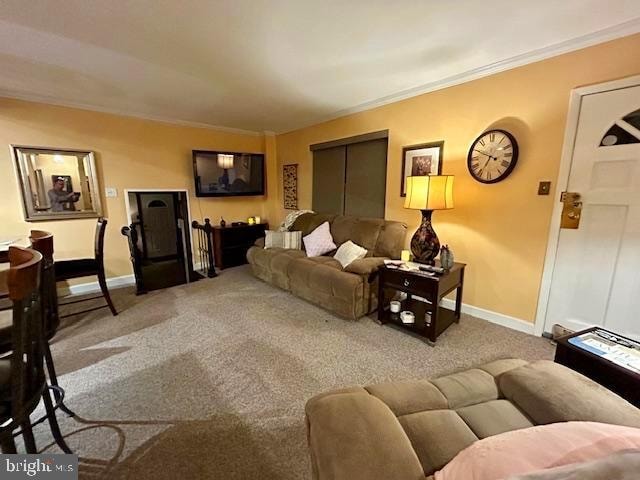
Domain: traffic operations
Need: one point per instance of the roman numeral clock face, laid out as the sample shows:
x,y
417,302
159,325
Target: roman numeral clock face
x,y
492,156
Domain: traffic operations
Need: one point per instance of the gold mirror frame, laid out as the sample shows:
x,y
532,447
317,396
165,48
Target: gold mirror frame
x,y
31,211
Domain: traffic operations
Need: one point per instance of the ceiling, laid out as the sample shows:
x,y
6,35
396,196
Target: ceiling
x,y
277,65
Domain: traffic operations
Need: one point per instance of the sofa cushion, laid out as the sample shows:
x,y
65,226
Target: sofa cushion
x,y
323,275
437,436
319,241
308,222
326,261
404,398
272,265
498,367
321,280
548,392
493,417
467,388
391,240
362,231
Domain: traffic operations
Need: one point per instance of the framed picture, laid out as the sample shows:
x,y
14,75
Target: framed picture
x,y
290,184
420,160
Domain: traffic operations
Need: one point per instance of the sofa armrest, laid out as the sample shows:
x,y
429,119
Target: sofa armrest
x,y
259,242
365,266
355,436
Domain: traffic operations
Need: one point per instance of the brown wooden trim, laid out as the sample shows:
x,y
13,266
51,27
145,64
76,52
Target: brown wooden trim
x,y
350,140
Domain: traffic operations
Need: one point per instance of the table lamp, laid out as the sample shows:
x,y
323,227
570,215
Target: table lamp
x,y
428,193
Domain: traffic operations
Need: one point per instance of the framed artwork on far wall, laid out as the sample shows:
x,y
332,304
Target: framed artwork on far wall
x,y
290,184
420,160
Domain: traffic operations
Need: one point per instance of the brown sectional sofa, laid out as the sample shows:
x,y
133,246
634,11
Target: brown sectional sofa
x,y
409,430
349,292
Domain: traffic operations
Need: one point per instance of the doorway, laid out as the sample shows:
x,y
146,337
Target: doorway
x,y
592,269
161,220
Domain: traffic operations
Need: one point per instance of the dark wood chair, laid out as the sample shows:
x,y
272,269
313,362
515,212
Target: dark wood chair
x,y
42,242
22,378
85,267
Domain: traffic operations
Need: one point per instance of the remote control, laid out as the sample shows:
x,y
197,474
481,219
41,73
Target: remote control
x,y
429,268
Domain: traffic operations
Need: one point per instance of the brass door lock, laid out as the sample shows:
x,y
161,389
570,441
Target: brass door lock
x,y
571,210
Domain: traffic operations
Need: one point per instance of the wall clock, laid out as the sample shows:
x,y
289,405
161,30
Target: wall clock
x,y
492,156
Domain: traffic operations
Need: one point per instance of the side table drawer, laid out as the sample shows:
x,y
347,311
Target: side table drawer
x,y
408,283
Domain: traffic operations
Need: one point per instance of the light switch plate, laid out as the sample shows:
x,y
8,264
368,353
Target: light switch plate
x,y
544,188
111,192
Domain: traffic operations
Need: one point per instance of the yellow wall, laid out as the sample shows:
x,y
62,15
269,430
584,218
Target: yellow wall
x,y
130,153
499,230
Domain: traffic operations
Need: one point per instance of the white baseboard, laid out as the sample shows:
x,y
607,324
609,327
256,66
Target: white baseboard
x,y
488,315
92,287
493,317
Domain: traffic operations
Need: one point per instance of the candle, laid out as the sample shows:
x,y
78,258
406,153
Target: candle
x,y
258,220
405,256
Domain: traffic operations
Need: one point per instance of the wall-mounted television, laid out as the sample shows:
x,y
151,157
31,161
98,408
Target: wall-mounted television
x,y
228,174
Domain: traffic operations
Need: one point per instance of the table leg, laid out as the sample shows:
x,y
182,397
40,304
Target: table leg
x,y
431,331
459,297
381,299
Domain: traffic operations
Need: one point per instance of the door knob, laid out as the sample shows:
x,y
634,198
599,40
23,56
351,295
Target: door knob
x,y
571,210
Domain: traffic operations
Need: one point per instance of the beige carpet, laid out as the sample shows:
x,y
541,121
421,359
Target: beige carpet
x,y
209,380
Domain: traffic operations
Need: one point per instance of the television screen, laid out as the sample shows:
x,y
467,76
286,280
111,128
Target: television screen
x,y
222,174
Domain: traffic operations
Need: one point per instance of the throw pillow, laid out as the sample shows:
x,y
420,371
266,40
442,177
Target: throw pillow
x,y
319,241
531,449
292,240
348,252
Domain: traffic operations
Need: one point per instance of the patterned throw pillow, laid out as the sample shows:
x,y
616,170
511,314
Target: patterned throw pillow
x,y
319,241
348,252
292,240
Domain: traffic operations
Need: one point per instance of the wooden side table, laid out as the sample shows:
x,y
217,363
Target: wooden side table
x,y
230,244
430,318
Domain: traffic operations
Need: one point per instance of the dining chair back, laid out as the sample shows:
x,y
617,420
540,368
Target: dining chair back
x,y
42,242
85,267
25,384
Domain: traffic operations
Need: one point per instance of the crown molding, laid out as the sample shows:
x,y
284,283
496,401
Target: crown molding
x,y
610,33
81,106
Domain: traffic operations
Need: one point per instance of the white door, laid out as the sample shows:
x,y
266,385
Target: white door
x,y
596,277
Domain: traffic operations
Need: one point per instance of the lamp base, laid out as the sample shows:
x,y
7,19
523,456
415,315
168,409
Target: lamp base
x,y
425,245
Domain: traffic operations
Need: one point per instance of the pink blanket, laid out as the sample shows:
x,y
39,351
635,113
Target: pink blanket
x,y
536,448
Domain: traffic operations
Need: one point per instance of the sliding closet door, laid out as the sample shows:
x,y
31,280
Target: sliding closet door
x,y
366,179
328,180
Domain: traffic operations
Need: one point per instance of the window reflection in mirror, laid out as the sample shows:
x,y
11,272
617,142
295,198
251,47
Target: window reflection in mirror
x,y
57,184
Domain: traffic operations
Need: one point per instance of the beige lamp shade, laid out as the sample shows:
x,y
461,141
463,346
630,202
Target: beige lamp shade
x,y
225,160
430,192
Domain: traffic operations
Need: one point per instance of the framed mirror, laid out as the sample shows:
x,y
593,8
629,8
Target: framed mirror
x,y
57,184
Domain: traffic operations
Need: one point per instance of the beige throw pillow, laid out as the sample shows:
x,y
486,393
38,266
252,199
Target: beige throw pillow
x,y
348,252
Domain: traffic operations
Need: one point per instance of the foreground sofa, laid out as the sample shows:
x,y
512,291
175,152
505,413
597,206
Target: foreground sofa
x,y
349,292
409,430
